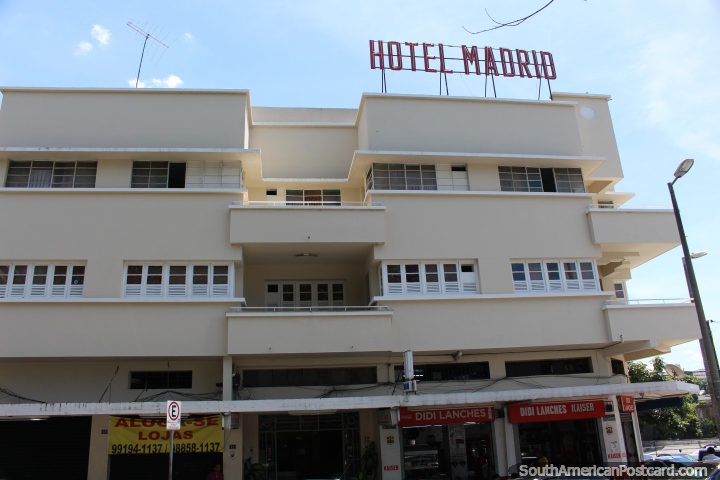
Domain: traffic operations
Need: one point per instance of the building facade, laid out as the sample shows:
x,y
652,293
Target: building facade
x,y
271,268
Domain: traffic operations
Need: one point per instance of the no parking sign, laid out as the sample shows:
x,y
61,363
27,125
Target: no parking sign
x,y
173,415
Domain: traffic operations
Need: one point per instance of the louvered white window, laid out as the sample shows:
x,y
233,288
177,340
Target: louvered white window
x,y
554,276
177,280
400,176
429,278
29,280
213,174
304,293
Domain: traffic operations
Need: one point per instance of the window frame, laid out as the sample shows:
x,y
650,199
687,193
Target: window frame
x,y
73,285
58,171
417,177
323,197
297,299
463,284
547,280
188,288
530,179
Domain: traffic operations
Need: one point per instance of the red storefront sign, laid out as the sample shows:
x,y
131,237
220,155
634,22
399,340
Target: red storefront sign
x,y
627,403
445,416
550,412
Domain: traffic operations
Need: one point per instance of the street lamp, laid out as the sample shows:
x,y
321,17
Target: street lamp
x,y
708,349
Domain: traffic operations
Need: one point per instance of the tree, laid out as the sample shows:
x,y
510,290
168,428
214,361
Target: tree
x,y
673,422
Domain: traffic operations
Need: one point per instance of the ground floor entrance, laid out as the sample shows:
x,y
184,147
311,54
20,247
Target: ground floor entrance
x,y
568,442
299,447
186,466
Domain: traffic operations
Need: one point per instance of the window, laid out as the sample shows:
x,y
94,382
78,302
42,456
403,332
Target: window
x,y
177,280
565,366
50,174
158,174
531,179
554,276
161,379
312,197
305,293
307,377
429,278
213,174
618,366
620,293
41,280
398,176
444,372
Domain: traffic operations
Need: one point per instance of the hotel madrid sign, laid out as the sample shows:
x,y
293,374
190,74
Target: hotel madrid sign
x,y
472,60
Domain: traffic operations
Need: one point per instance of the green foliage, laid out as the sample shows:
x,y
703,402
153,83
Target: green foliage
x,y
673,422
252,471
368,464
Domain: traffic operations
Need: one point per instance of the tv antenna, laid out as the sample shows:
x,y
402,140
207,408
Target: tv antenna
x,y
147,36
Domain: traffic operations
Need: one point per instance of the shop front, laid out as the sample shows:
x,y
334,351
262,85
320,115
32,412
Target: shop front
x,y
559,433
448,443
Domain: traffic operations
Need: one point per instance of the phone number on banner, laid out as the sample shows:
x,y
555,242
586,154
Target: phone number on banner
x,y
127,448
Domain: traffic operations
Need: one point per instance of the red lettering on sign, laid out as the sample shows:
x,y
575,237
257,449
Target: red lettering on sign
x,y
391,467
471,56
506,62
543,412
394,59
121,422
442,59
427,57
412,55
548,65
523,61
490,64
378,54
446,416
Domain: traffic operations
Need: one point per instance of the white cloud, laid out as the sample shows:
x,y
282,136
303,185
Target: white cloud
x,y
172,81
101,34
188,37
83,48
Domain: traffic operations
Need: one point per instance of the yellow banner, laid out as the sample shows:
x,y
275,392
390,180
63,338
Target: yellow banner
x,y
149,435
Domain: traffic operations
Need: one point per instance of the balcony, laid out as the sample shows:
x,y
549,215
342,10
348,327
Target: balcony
x,y
634,235
269,222
659,324
308,330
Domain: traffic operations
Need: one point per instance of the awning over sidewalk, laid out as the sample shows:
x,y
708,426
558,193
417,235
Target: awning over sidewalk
x,y
640,391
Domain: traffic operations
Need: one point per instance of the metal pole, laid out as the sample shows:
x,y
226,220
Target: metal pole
x,y
707,359
172,438
708,349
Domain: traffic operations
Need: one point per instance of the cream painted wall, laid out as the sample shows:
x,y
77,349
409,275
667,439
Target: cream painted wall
x,y
98,456
119,328
443,124
122,119
492,228
3,170
257,275
78,381
597,134
114,173
106,229
304,152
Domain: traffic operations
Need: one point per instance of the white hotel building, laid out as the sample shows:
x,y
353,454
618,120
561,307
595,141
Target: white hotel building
x,y
273,265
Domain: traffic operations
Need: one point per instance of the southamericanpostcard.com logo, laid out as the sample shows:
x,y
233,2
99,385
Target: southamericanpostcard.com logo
x,y
615,471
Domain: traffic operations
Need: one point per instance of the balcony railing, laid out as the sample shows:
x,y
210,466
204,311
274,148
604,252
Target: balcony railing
x,y
259,203
333,309
649,301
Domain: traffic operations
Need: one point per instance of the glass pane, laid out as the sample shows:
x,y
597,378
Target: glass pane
x,y
450,270
40,275
78,275
177,274
570,271
394,274
221,273
4,274
60,275
200,275
154,274
412,273
19,274
431,273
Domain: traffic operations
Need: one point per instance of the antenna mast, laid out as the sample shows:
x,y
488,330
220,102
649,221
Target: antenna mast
x,y
146,35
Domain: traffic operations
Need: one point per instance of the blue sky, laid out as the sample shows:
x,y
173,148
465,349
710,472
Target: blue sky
x,y
657,58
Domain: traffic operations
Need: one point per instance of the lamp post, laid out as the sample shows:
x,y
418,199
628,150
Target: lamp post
x,y
711,356
708,349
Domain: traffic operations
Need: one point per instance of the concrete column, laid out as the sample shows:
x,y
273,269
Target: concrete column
x,y
615,451
511,443
227,377
98,454
233,448
501,458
